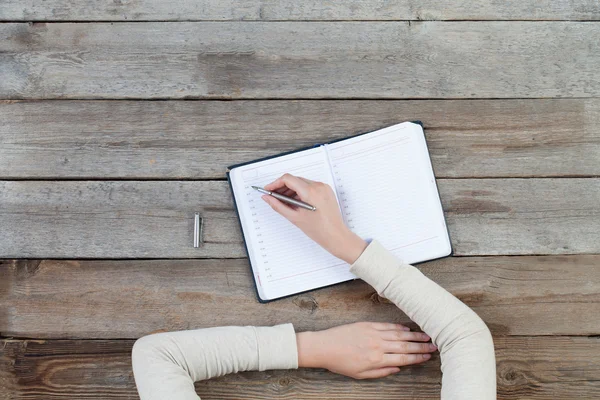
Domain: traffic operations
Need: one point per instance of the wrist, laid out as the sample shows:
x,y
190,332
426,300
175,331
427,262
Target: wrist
x,y
309,354
351,246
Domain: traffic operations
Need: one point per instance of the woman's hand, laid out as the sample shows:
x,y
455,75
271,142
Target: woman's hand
x,y
363,350
325,225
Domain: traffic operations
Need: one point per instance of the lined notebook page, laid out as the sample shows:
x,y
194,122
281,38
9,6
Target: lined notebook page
x,y
284,259
387,191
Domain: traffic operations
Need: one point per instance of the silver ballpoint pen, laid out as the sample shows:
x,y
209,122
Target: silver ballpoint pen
x,y
285,198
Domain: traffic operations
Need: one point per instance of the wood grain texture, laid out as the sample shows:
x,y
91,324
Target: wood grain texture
x,y
529,295
111,219
154,219
230,60
273,10
199,139
522,216
528,367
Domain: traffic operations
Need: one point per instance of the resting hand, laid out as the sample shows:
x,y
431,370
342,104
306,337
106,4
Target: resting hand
x,y
363,350
325,225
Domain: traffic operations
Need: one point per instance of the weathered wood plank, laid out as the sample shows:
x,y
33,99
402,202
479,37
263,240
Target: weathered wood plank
x,y
271,10
528,367
526,295
117,219
199,139
522,216
224,60
154,219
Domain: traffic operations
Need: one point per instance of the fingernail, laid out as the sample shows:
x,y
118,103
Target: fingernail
x,y
405,328
426,356
432,346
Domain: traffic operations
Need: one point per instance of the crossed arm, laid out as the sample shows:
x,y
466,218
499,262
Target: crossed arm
x,y
166,365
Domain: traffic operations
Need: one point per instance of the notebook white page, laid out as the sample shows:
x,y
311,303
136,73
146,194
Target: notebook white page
x,y
386,190
284,260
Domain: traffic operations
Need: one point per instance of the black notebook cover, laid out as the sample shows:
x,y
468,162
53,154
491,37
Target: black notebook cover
x,y
283,154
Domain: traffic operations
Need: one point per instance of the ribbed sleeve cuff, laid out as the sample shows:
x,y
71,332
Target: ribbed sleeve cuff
x,y
277,348
376,266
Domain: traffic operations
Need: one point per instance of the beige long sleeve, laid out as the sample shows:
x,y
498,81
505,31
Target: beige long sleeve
x,y
166,365
464,341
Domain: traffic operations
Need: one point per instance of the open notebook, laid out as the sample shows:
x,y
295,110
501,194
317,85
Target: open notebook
x,y
385,188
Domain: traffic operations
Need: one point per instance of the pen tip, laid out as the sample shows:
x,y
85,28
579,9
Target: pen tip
x,y
255,187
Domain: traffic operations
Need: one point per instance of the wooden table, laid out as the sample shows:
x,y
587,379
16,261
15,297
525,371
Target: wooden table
x,y
119,118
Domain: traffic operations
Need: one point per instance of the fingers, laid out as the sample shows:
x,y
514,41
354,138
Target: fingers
x,y
384,326
379,373
279,206
276,185
400,360
288,193
398,347
298,185
406,336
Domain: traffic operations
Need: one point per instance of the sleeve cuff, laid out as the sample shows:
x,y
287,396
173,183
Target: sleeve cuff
x,y
277,348
377,266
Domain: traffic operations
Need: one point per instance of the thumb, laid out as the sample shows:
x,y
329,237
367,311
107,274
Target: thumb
x,y
281,208
298,185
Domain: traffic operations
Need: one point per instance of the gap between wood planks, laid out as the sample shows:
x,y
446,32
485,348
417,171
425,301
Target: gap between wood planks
x,y
142,179
409,21
283,98
10,338
295,99
82,21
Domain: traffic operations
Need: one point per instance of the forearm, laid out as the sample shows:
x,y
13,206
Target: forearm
x,y
464,341
166,365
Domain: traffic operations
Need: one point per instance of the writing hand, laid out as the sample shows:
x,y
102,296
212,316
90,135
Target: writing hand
x,y
325,225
